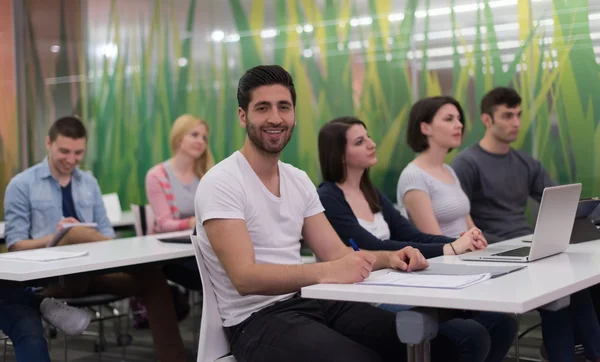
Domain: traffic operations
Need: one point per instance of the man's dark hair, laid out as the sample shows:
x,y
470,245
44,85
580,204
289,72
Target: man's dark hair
x,y
260,76
332,157
497,97
69,126
423,112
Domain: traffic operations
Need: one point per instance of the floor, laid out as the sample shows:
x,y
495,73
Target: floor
x,y
81,348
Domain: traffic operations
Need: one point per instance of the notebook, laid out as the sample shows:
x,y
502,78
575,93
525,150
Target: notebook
x,y
65,229
463,269
416,280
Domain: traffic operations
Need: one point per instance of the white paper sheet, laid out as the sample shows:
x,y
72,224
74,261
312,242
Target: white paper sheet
x,y
427,281
42,255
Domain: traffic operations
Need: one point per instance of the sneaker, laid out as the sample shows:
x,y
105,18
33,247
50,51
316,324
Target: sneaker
x,y
68,319
579,356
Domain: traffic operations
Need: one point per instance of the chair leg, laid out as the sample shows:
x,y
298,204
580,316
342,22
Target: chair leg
x,y
66,349
4,354
195,325
517,352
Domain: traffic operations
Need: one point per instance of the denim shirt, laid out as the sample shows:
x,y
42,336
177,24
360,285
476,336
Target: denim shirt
x,y
33,204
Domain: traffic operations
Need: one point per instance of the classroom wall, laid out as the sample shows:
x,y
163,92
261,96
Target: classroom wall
x,y
146,62
9,141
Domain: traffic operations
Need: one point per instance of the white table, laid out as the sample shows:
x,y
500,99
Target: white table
x,y
127,219
102,255
542,282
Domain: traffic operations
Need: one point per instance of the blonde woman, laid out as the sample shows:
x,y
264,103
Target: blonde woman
x,y
171,185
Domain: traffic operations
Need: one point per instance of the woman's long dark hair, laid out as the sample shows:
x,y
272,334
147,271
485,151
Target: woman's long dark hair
x,y
332,151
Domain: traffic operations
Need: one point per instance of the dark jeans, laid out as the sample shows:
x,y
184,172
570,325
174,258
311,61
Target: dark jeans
x,y
21,321
184,273
577,322
478,336
301,330
20,295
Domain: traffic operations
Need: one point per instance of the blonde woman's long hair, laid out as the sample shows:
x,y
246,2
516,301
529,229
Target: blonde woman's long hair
x,y
182,126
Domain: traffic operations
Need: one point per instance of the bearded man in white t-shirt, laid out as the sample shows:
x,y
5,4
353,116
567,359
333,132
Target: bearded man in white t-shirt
x,y
252,210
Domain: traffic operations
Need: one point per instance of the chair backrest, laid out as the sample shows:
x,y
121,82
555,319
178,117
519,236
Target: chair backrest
x,y
112,204
213,344
143,219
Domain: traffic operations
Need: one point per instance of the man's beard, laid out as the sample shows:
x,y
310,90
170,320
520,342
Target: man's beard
x,y
255,134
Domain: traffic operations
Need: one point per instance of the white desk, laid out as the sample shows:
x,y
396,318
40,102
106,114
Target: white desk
x,y
102,255
127,219
542,282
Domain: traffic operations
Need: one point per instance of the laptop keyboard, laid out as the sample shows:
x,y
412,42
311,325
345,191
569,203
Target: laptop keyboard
x,y
519,252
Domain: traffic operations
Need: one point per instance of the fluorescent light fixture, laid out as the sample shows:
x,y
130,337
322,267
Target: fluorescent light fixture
x,y
182,62
55,48
217,35
361,21
268,33
109,50
545,22
467,8
308,28
232,38
395,17
438,11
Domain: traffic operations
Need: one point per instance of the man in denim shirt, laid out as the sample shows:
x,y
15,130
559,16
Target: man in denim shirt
x,y
42,198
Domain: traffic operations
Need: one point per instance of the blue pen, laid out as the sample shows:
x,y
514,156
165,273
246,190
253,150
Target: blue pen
x,y
354,245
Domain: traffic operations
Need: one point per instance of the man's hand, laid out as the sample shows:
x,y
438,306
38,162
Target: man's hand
x,y
66,220
352,268
408,259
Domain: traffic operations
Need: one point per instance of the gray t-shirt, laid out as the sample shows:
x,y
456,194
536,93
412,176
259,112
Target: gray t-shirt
x,y
498,187
184,193
449,203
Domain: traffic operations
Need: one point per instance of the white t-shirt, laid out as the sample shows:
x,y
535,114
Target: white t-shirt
x,y
378,227
449,202
231,190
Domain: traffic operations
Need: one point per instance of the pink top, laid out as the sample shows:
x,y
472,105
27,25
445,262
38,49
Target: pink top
x,y
162,200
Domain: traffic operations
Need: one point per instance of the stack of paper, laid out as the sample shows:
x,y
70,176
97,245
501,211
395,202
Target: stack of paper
x,y
42,255
427,281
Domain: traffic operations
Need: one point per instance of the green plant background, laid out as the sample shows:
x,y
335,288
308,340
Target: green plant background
x,y
131,98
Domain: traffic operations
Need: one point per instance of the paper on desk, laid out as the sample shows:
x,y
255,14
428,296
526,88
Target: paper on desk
x,y
42,255
427,281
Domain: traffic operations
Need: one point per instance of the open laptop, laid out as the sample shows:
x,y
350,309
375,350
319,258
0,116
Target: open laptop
x,y
552,230
586,218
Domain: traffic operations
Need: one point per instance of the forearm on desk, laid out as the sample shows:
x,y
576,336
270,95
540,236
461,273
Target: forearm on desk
x,y
29,244
276,279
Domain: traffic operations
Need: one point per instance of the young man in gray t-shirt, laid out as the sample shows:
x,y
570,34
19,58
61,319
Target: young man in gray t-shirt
x,y
498,180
